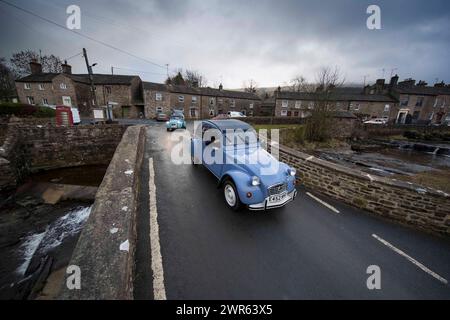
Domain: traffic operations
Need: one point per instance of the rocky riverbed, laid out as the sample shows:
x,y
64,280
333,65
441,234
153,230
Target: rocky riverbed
x,y
40,223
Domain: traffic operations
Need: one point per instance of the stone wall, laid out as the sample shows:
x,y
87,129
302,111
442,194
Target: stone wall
x,y
424,208
106,248
31,146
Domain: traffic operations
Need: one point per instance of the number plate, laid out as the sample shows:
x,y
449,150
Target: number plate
x,y
277,197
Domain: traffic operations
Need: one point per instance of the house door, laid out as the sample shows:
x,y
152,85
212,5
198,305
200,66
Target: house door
x,y
125,112
401,117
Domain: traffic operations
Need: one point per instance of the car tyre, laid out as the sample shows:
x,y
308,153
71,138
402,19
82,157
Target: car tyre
x,y
231,195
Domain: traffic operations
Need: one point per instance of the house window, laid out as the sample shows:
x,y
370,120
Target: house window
x,y
63,86
158,96
193,113
404,101
194,99
67,101
108,89
211,101
311,105
232,103
295,113
220,101
250,105
284,103
44,101
211,112
298,104
289,113
244,112
431,116
250,113
180,98
30,100
416,115
338,105
283,113
159,110
419,102
41,87
27,86
387,108
356,107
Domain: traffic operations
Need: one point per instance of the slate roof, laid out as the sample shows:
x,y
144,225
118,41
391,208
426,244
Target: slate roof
x,y
341,94
204,91
422,90
99,79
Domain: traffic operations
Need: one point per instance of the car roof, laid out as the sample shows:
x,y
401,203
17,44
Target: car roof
x,y
229,124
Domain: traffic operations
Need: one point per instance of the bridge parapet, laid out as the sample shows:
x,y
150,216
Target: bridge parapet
x,y
106,248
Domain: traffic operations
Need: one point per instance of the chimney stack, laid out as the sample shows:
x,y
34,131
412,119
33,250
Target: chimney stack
x,y
220,87
407,83
422,83
394,81
67,69
440,84
36,67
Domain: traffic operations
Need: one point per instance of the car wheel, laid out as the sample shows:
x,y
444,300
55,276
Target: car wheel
x,y
231,195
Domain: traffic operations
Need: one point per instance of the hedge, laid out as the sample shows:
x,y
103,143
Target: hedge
x,y
26,110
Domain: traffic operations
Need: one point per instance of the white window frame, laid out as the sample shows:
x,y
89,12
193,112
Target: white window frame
x,y
283,113
159,109
158,96
284,103
68,98
27,86
298,104
211,101
45,101
250,105
180,98
194,99
195,112
41,87
232,103
356,107
387,107
63,86
30,100
311,105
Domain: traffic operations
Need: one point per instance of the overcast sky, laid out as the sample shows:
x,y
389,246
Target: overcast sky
x,y
232,41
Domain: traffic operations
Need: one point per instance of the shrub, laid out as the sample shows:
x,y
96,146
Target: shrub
x,y
25,110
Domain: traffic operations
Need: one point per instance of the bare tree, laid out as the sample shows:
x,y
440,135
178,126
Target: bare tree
x,y
52,64
7,87
20,63
319,123
299,84
194,78
250,86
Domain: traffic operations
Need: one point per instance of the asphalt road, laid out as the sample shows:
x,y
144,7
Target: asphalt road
x,y
302,251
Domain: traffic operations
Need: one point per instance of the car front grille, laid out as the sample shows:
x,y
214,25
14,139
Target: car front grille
x,y
277,189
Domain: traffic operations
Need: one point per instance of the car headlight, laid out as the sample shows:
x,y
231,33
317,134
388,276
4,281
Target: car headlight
x,y
292,172
167,122
256,181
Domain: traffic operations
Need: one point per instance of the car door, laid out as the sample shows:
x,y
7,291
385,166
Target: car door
x,y
215,144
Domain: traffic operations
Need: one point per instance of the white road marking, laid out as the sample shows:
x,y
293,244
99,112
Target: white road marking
x,y
159,290
414,261
329,206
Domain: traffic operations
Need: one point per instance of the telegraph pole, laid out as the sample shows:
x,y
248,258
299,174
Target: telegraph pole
x,y
91,77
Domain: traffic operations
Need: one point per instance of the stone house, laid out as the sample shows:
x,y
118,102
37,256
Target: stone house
x,y
197,103
355,100
74,90
422,104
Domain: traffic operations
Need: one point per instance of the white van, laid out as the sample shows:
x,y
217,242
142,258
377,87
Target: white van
x,y
236,114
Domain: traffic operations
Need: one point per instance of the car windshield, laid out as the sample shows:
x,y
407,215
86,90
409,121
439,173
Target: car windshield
x,y
176,118
240,137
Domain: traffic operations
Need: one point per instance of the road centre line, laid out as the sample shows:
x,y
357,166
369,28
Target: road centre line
x,y
414,261
159,290
329,206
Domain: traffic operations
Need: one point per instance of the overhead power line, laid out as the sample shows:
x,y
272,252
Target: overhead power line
x,y
82,35
139,71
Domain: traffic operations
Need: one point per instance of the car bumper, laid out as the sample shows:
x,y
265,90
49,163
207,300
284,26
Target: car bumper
x,y
265,204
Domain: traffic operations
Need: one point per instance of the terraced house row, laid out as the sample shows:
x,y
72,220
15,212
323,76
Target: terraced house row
x,y
401,102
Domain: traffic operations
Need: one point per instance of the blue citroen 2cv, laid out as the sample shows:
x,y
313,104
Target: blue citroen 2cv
x,y
247,173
